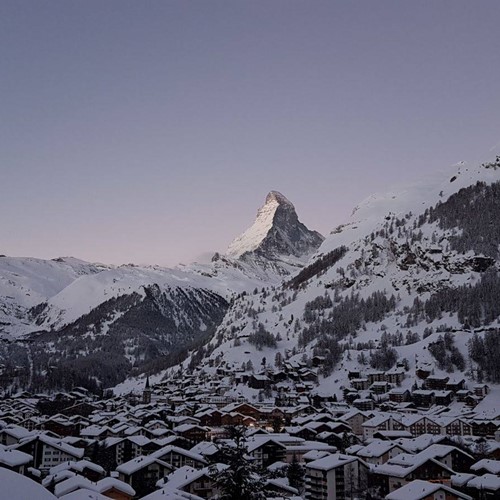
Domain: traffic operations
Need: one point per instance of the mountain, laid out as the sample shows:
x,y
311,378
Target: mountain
x,y
413,277
98,324
26,282
276,238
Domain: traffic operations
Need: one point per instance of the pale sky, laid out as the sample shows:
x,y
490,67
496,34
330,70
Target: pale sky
x,y
151,131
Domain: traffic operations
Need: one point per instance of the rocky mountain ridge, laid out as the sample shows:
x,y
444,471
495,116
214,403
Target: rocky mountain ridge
x,y
130,317
386,286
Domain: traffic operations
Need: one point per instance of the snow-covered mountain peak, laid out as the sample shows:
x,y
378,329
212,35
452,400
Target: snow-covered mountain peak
x,y
253,236
276,232
276,196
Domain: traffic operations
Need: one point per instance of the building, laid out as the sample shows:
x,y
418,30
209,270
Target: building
x,y
335,476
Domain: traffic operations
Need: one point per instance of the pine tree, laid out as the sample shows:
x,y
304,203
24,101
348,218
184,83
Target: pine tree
x,y
240,479
295,474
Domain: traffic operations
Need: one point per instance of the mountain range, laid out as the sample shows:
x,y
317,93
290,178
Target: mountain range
x,y
406,270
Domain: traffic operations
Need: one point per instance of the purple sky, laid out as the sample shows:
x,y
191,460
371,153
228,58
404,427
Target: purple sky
x,y
151,131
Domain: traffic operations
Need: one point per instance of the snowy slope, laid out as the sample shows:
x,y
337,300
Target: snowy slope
x,y
26,282
391,249
87,292
415,198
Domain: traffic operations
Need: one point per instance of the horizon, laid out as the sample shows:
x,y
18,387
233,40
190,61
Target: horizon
x,y
152,133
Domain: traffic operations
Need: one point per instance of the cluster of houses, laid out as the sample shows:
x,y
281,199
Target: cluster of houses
x,y
169,441
384,389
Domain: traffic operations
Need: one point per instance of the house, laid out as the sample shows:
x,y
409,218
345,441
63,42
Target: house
x,y
481,390
379,452
379,387
334,476
48,452
193,481
398,395
355,420
436,382
192,433
375,376
443,398
259,381
425,490
265,450
82,487
142,473
179,457
395,375
484,487
486,466
423,398
364,404
14,460
405,468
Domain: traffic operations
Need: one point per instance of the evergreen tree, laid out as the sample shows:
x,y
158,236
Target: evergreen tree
x,y
240,479
295,474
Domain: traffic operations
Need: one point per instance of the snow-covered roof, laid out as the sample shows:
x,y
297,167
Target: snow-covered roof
x,y
418,489
492,466
331,461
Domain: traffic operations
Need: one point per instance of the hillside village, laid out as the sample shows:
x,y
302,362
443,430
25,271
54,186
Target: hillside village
x,y
361,366
172,440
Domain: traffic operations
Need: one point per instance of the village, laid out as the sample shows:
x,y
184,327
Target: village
x,y
170,441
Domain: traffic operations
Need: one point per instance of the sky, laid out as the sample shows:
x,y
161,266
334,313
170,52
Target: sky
x,y
151,131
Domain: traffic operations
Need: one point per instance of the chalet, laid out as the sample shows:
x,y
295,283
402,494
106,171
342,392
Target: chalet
x,y
379,387
436,382
395,375
399,395
379,452
355,419
48,451
364,404
360,384
423,398
84,488
142,473
472,400
259,381
456,427
85,468
380,422
486,466
405,468
484,428
375,376
451,456
12,435
15,460
125,449
266,451
192,433
197,482
423,372
455,385
443,398
179,457
484,487
244,409
481,390
426,490
462,394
